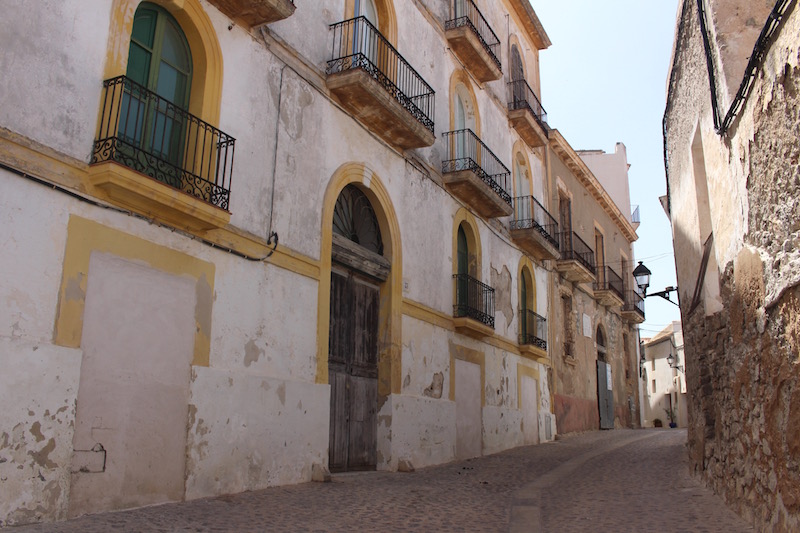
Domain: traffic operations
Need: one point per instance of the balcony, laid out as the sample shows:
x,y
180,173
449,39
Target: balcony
x,y
472,173
608,287
159,160
636,218
577,258
256,12
534,229
473,312
633,308
526,114
374,83
473,41
532,334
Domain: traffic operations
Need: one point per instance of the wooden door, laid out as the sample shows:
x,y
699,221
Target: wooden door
x,y
353,372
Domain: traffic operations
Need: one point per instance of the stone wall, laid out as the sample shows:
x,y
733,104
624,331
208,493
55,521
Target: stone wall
x,y
742,340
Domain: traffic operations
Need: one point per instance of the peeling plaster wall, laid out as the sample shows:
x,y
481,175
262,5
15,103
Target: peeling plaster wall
x,y
40,385
248,432
423,431
257,416
741,341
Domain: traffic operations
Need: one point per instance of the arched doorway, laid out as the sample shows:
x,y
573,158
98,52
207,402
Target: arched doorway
x,y
358,269
605,395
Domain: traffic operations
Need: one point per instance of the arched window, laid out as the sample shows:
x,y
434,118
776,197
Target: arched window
x,y
367,8
159,60
522,179
462,281
354,219
601,344
517,69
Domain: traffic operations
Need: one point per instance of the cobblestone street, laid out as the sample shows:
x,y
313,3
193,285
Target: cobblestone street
x,y
612,481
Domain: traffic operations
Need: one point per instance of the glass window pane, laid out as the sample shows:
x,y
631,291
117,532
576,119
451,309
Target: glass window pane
x,y
139,64
173,49
144,27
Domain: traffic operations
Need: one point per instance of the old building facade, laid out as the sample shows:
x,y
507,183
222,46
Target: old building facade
x,y
730,132
368,284
664,379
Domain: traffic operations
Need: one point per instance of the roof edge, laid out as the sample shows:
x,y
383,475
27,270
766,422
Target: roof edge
x,y
532,23
574,162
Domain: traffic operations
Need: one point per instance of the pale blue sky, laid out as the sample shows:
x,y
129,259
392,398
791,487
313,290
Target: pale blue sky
x,y
603,82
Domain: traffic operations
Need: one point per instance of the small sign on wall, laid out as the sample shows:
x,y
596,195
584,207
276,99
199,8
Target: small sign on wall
x,y
587,326
608,377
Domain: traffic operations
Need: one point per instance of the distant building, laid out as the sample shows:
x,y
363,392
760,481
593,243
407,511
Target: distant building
x,y
664,382
732,153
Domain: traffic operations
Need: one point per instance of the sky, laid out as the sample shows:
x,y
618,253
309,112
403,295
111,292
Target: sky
x,y
604,81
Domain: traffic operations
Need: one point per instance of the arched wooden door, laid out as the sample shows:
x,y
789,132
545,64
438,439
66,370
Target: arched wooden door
x,y
358,269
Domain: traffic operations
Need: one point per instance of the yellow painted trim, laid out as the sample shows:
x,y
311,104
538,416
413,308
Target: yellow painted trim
x,y
133,190
85,237
206,90
391,291
533,353
470,356
461,77
526,265
387,18
42,162
533,373
424,313
473,241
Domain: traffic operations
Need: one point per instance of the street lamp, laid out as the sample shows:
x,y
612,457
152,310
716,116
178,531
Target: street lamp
x,y
673,363
642,275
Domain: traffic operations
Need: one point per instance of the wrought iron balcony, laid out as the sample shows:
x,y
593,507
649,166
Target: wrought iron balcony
x,y
475,175
473,41
373,81
577,258
534,229
533,329
474,300
526,113
256,12
146,133
608,287
633,308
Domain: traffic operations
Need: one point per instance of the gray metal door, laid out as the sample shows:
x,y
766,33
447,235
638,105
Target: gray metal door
x,y
605,396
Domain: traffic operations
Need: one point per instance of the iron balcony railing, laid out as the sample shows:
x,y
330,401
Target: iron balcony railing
x,y
149,134
634,302
608,280
530,214
357,44
473,299
521,96
533,329
635,216
465,151
573,248
466,13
